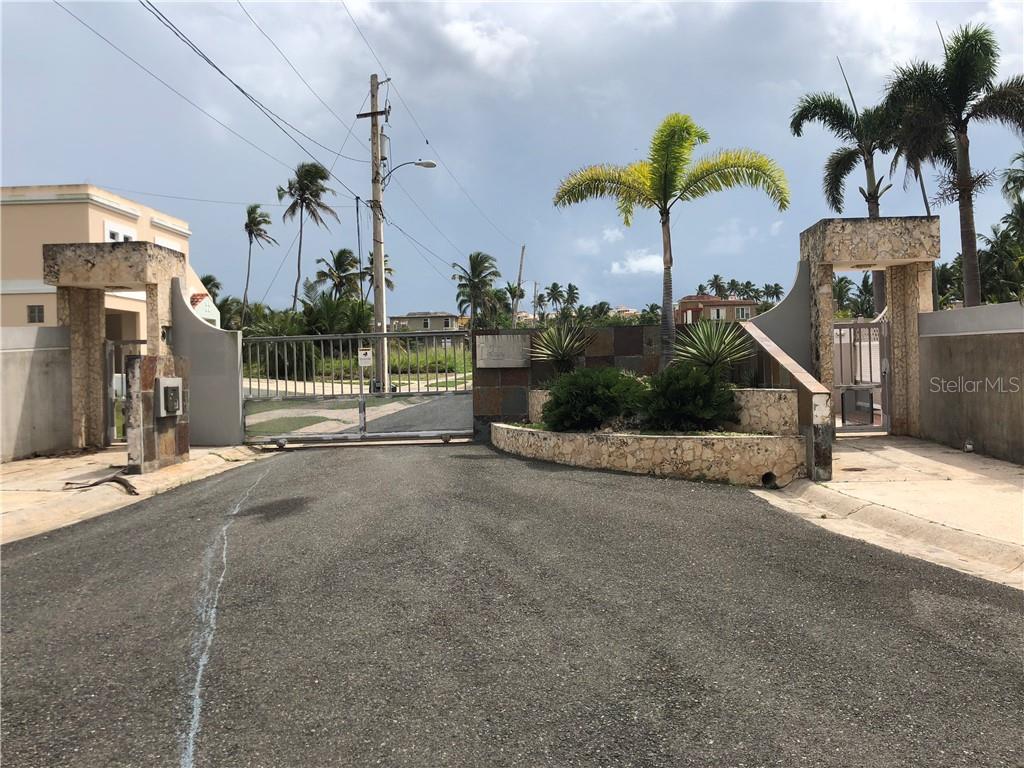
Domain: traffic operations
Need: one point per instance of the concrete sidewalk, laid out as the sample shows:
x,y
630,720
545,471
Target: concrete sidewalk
x,y
961,510
33,498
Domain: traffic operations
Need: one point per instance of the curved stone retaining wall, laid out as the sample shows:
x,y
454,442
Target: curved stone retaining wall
x,y
736,459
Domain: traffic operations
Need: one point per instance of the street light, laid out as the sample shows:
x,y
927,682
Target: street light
x,y
418,163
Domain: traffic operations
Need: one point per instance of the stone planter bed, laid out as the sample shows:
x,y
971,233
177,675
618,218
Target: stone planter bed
x,y
740,459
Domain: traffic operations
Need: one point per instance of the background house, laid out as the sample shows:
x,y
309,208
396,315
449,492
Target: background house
x,y
690,309
32,216
425,321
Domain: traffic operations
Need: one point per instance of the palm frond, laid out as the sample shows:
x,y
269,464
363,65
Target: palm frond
x,y
838,166
627,184
670,151
827,109
970,65
1004,103
561,344
735,168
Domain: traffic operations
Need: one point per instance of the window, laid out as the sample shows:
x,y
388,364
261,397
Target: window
x,y
36,313
117,232
426,323
447,323
742,313
717,313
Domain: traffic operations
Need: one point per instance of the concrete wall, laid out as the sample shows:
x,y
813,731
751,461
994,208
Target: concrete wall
x,y
215,369
788,323
972,379
35,399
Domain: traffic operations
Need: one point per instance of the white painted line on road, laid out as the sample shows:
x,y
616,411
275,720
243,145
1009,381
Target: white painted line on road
x,y
206,613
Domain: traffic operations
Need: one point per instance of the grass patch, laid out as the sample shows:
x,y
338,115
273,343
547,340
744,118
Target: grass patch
x,y
282,426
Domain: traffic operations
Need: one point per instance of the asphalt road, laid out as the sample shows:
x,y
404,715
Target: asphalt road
x,y
437,413
448,606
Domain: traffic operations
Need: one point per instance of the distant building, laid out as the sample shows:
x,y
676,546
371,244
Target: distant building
x,y
623,311
425,321
32,216
690,309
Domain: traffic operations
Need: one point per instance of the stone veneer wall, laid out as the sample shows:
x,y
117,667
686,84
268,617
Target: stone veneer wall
x,y
768,411
154,442
736,459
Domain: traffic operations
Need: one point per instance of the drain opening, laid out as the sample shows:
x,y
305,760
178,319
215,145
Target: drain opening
x,y
768,480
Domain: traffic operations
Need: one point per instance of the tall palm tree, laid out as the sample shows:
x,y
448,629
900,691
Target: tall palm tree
x,y
952,96
256,222
212,286
474,284
556,295
863,132
863,303
366,276
572,296
514,291
718,286
306,190
341,272
748,290
702,289
669,176
733,287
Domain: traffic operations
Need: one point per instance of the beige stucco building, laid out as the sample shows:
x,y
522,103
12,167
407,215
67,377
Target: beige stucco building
x,y
33,216
425,321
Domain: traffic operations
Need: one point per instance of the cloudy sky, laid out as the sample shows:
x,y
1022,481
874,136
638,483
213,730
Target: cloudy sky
x,y
511,97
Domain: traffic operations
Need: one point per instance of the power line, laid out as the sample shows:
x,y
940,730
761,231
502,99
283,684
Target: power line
x,y
420,128
266,111
167,85
196,199
416,249
304,81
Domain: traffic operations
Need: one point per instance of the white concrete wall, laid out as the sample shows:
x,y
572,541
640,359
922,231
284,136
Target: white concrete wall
x,y
35,397
215,370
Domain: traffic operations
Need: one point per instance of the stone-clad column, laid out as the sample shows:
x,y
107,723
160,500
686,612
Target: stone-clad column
x,y
82,310
910,292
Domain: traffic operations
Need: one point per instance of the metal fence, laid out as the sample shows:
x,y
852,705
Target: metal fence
x,y
382,372
117,385
860,370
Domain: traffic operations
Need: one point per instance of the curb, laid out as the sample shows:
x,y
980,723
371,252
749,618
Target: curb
x,y
819,504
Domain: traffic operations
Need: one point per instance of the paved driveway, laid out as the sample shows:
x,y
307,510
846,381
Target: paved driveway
x,y
447,606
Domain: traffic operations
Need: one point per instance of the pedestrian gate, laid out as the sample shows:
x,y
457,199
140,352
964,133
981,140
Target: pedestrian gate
x,y
364,386
860,370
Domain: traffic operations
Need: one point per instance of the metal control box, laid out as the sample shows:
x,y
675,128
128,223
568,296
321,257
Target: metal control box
x,y
168,397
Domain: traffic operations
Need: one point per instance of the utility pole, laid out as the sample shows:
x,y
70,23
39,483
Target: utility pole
x,y
519,285
376,205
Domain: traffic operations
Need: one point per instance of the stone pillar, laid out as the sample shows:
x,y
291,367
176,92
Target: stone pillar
x,y
909,287
82,310
158,318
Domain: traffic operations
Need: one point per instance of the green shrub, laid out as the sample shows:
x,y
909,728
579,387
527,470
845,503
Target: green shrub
x,y
685,397
587,398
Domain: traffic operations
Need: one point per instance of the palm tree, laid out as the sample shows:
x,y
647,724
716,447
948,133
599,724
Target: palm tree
x,y
306,192
718,286
366,276
341,272
1013,178
747,290
863,303
772,291
212,286
666,177
842,290
572,296
951,96
702,289
601,310
555,294
863,133
733,287
256,222
474,284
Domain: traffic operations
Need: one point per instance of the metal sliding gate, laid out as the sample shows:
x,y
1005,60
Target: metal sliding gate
x,y
364,386
860,369
117,385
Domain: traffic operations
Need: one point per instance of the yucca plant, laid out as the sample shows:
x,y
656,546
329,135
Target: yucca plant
x,y
561,345
713,345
